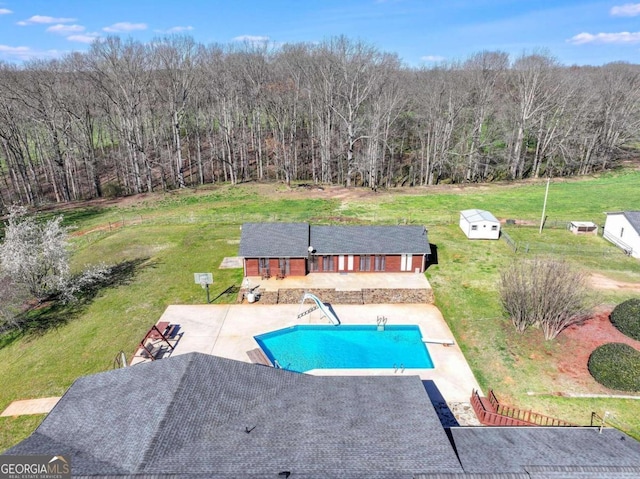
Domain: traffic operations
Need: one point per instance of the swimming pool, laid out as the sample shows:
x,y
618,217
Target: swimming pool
x,y
305,347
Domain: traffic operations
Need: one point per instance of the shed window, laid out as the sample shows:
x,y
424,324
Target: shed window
x,y
474,227
621,232
494,227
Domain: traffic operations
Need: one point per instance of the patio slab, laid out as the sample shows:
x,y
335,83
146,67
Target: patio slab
x,y
348,281
228,331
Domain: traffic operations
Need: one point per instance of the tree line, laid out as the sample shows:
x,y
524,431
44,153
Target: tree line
x,y
128,117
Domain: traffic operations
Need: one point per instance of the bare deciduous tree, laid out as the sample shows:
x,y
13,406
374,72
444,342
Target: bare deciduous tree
x,y
544,292
127,117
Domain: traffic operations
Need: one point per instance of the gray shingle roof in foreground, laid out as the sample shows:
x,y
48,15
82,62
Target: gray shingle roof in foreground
x,y
370,240
274,240
565,452
189,414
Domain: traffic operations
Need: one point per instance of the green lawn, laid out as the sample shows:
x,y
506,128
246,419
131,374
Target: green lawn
x,y
168,237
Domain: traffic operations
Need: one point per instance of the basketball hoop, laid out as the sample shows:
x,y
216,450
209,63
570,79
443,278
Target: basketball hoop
x,y
204,280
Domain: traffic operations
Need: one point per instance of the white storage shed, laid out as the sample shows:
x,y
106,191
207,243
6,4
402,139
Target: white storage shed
x,y
622,228
479,224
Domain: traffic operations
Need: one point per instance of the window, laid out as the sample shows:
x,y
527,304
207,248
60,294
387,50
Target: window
x,y
621,232
263,265
474,227
314,263
365,263
494,227
284,265
379,262
327,263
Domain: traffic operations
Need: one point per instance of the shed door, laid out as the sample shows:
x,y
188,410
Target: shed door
x,y
341,262
406,262
350,262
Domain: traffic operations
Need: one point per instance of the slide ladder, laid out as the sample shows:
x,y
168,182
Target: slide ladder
x,y
320,305
310,310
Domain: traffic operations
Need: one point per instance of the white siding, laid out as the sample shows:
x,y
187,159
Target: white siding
x,y
478,224
619,231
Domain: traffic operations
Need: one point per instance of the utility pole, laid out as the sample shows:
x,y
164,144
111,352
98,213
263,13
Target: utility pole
x,y
544,206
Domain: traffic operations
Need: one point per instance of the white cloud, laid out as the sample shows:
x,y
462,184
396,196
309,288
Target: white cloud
x,y
65,29
25,53
84,37
123,27
609,38
432,58
177,29
251,39
43,19
626,10
5,11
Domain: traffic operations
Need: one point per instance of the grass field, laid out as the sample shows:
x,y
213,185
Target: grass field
x,y
161,240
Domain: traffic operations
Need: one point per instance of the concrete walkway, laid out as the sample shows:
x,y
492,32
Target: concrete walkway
x,y
30,406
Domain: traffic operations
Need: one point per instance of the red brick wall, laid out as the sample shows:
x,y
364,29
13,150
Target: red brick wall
x,y
298,266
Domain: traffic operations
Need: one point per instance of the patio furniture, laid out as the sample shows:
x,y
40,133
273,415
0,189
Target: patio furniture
x,y
153,341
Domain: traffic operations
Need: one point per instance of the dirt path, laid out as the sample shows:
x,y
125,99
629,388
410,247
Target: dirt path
x,y
600,281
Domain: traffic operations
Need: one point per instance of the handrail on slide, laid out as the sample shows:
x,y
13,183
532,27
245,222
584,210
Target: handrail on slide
x,y
327,311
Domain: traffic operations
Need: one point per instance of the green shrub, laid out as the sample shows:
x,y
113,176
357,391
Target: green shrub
x,y
626,317
616,366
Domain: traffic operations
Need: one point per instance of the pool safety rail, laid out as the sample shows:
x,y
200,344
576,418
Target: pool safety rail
x,y
321,306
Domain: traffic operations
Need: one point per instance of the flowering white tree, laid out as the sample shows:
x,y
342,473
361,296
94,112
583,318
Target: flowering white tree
x,y
35,254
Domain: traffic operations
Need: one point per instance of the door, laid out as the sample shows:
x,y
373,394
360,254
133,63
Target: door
x,y
406,262
341,262
350,262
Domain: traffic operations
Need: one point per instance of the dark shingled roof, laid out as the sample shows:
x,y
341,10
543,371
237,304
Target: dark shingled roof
x,y
566,452
369,240
274,240
188,415
634,219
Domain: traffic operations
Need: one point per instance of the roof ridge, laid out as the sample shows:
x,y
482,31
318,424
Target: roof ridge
x,y
153,443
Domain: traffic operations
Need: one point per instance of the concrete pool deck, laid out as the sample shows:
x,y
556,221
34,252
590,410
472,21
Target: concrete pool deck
x,y
228,331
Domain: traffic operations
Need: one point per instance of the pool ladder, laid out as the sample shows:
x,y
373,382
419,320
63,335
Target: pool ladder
x,y
395,368
382,321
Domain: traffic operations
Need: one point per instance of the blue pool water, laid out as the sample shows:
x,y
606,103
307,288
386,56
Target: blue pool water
x,y
306,347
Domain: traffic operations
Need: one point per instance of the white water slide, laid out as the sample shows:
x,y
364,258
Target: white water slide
x,y
322,307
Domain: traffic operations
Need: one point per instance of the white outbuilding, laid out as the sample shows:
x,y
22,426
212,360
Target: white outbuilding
x,y
479,224
622,228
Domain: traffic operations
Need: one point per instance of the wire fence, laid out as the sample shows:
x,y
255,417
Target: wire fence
x,y
565,248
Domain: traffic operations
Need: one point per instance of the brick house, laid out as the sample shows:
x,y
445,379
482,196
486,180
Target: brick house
x,y
296,249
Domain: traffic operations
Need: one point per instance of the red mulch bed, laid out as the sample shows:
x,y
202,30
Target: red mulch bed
x,y
579,341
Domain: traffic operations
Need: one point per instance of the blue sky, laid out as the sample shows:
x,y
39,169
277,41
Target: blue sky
x,y
421,32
